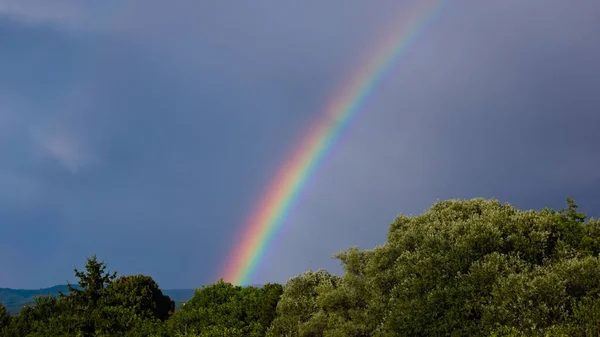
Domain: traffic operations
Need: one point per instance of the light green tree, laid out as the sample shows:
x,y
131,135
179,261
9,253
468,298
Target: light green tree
x,y
465,267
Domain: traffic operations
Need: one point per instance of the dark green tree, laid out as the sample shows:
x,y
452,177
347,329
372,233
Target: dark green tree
x,y
271,294
22,324
92,283
223,309
4,319
43,318
141,294
84,304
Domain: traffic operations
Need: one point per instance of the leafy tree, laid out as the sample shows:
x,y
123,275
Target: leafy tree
x,y
142,294
271,294
298,313
223,309
464,267
455,268
43,318
22,324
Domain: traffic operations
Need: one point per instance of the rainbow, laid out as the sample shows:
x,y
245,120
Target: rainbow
x,y
269,215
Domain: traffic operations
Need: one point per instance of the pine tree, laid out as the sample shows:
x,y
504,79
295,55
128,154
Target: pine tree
x,y
84,302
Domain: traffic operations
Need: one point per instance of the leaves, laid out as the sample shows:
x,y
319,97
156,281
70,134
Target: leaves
x,y
464,267
222,309
141,294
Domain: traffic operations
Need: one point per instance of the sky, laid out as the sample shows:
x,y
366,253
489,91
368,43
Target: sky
x,y
145,131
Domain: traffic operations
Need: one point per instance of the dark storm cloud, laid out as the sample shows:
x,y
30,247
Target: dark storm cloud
x,y
147,135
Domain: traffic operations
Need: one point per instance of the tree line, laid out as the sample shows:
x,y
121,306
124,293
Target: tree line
x,y
463,268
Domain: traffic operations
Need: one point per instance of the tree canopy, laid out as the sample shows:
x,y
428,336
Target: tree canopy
x,y
464,268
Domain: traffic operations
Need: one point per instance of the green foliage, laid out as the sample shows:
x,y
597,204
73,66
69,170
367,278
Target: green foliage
x,y
141,294
100,306
472,267
222,309
298,311
42,316
15,299
463,268
92,283
4,319
85,304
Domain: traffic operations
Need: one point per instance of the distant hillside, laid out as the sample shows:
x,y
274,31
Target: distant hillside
x,y
15,299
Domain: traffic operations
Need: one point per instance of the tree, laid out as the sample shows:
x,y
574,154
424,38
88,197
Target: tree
x,y
42,318
142,295
271,294
4,319
92,282
84,305
464,267
298,312
222,309
22,324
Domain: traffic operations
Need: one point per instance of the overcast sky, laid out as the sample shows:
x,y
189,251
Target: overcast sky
x,y
145,131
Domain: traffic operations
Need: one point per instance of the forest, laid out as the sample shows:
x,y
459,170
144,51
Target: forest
x,y
474,267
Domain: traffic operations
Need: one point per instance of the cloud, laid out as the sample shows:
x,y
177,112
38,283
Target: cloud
x,y
63,147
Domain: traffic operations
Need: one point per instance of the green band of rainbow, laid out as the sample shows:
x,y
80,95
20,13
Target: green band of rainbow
x,y
273,207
